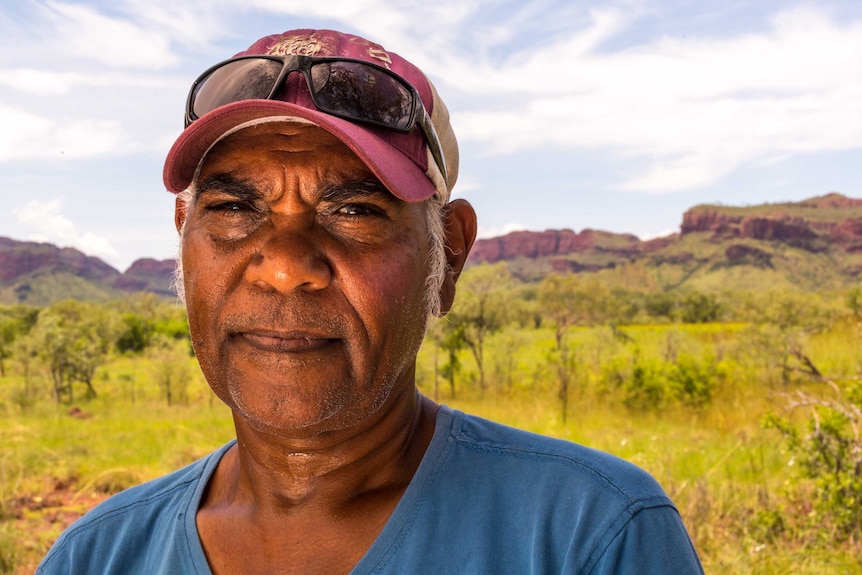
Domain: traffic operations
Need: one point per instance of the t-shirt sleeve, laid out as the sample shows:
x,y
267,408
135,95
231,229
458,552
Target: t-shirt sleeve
x,y
653,542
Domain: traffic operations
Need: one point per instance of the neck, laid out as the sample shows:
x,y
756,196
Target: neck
x,y
336,469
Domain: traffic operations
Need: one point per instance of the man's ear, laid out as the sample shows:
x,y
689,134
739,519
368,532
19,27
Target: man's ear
x,y
460,221
180,212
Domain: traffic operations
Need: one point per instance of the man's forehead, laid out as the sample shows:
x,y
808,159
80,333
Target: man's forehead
x,y
288,135
240,163
272,145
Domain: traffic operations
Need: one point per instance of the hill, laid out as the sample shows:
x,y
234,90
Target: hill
x,y
810,245
41,273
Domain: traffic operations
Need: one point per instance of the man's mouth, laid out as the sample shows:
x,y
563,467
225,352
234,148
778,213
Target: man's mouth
x,y
286,342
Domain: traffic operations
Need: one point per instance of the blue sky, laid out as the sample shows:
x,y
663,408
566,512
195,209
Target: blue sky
x,y
606,115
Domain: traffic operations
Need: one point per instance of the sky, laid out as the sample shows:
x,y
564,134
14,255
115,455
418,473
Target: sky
x,y
609,115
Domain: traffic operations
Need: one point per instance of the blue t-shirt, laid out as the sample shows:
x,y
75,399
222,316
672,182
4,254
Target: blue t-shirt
x,y
486,499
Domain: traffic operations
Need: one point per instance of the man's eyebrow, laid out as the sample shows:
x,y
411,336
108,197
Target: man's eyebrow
x,y
227,184
356,188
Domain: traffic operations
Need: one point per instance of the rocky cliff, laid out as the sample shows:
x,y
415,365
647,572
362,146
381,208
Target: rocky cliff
x,y
713,239
813,225
525,244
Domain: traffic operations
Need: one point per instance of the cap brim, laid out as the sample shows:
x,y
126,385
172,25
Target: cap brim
x,y
401,176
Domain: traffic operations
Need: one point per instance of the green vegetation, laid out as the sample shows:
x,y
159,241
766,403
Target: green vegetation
x,y
44,288
828,208
746,405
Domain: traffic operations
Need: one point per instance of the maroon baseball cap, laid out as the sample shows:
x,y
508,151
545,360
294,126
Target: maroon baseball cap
x,y
402,162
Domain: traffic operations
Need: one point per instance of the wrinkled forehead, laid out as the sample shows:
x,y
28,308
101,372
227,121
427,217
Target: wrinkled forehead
x,y
286,138
291,150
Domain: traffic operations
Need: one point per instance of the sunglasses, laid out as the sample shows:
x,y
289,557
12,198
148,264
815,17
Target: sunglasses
x,y
343,87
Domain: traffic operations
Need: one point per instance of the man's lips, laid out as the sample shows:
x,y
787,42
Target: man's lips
x,y
283,342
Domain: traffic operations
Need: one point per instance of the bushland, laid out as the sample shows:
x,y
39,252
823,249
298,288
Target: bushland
x,y
747,406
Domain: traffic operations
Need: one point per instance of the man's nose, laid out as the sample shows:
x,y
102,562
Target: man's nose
x,y
290,257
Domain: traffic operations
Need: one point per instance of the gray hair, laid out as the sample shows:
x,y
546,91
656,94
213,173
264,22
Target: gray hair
x,y
437,264
438,267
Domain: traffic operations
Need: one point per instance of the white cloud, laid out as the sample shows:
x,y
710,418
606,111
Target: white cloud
x,y
525,77
695,109
655,235
364,16
38,81
46,82
484,233
28,136
425,29
84,32
192,22
50,225
79,81
92,244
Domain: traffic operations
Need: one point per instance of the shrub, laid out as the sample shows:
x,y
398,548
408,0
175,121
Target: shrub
x,y
696,307
830,453
650,383
647,388
694,381
136,334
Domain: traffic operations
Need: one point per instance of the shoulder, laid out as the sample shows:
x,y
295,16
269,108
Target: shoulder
x,y
563,461
583,510
134,516
152,493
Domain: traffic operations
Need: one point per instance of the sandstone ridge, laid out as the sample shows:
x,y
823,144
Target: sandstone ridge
x,y
815,225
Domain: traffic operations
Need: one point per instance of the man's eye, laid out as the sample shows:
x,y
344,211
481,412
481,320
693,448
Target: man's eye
x,y
228,207
231,209
360,210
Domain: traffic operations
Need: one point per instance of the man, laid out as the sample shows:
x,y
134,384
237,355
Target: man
x,y
317,236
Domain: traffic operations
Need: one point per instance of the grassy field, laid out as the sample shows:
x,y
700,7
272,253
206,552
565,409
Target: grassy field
x,y
736,483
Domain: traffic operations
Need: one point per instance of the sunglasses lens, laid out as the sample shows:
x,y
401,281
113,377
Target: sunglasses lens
x,y
250,79
365,93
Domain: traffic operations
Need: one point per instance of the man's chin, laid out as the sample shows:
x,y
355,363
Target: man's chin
x,y
285,411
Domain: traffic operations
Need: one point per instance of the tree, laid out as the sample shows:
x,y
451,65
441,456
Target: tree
x,y
781,323
144,316
568,300
481,308
26,352
73,339
170,367
136,335
697,307
660,304
508,344
15,321
448,337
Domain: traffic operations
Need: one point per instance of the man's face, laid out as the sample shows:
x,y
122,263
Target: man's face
x,y
304,280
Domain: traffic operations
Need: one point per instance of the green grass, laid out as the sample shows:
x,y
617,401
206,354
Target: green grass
x,y
113,447
745,504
